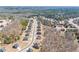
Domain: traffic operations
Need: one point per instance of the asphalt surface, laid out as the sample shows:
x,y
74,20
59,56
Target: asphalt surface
x,y
32,36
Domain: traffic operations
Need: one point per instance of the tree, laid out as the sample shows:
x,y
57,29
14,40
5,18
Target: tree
x,y
23,23
7,40
17,38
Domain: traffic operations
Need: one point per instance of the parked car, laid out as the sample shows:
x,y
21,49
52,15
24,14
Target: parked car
x,y
27,34
78,37
38,37
15,46
35,46
38,33
25,38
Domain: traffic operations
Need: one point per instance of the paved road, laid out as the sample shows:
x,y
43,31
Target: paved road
x,y
32,36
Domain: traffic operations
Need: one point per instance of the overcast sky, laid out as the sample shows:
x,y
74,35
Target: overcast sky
x,y
39,2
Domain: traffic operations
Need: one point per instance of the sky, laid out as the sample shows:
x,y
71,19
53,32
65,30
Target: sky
x,y
39,2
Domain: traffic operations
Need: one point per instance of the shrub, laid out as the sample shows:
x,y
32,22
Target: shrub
x,y
23,23
7,40
17,38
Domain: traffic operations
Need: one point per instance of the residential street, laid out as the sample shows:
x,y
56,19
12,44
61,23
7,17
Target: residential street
x,y
32,36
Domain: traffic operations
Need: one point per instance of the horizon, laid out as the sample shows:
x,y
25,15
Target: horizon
x,y
25,8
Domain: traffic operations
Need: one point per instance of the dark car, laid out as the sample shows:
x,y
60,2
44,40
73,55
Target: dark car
x,y
35,46
78,41
38,37
38,33
78,37
27,34
2,26
25,38
15,46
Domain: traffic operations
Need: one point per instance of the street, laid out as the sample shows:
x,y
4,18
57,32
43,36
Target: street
x,y
32,36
